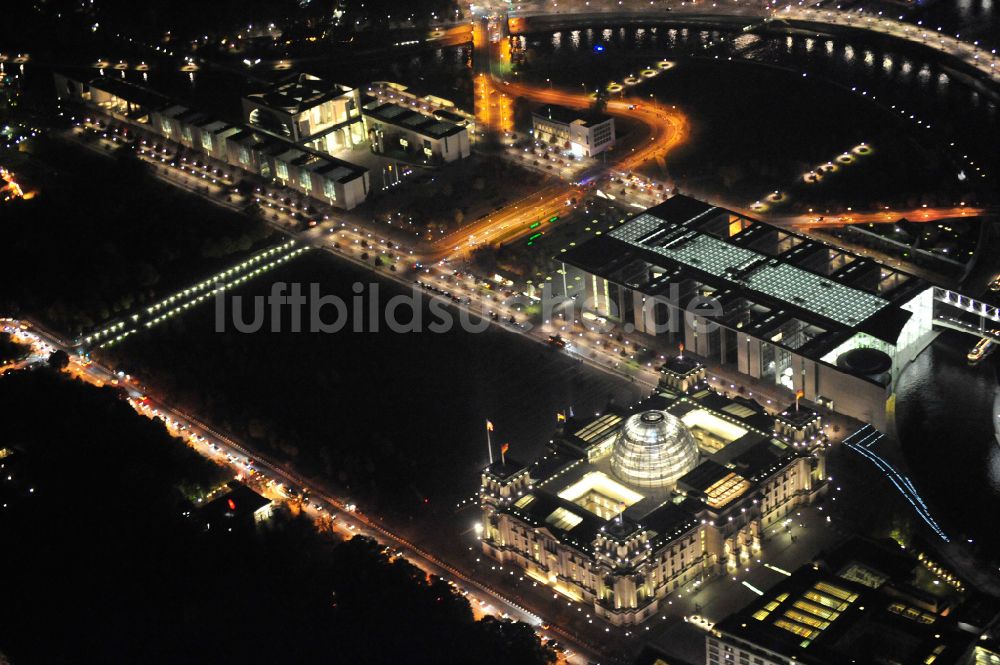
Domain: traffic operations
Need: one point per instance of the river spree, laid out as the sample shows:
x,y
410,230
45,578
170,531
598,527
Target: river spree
x,y
947,418
931,126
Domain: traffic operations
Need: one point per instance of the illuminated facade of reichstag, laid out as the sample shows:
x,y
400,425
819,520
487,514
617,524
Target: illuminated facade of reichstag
x,y
629,506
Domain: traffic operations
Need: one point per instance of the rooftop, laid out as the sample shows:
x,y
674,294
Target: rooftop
x,y
823,615
567,116
394,114
299,93
137,94
756,271
681,365
239,503
506,469
771,282
798,416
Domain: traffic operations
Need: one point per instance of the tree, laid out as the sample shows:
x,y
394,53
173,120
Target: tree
x,y
59,360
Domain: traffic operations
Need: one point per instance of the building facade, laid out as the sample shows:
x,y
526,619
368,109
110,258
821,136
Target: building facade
x,y
583,134
633,505
863,602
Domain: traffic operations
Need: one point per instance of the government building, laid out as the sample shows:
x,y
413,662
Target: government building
x,y
631,505
301,131
776,306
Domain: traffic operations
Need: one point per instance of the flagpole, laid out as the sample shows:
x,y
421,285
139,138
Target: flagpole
x,y
489,444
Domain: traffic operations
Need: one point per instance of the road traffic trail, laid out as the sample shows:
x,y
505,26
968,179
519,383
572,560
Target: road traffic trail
x,y
666,129
511,222
919,215
667,126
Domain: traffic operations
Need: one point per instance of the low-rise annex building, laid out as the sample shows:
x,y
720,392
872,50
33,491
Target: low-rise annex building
x,y
583,134
863,602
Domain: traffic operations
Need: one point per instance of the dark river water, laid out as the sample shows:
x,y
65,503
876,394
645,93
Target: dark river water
x,y
974,20
948,422
833,88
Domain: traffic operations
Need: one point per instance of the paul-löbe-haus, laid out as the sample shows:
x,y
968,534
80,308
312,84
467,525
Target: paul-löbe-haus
x,y
779,307
630,506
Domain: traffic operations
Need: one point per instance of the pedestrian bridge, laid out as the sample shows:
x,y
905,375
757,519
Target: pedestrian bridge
x,y
956,311
971,328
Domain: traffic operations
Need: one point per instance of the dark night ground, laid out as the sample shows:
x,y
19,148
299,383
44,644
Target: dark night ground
x,y
392,418
103,236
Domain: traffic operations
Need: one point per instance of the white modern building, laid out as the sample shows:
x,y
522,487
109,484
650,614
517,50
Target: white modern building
x,y
772,304
583,134
309,111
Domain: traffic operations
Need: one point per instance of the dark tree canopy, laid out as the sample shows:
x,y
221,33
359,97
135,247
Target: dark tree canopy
x,y
104,236
59,360
109,569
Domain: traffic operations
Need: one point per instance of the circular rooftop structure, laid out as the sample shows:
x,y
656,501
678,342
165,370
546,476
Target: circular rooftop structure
x,y
653,449
864,360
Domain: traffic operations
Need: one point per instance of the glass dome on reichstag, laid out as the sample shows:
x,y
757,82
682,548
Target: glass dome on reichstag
x,y
653,449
